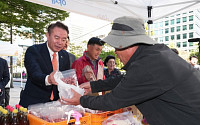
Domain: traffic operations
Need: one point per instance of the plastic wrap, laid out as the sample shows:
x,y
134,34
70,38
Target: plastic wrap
x,y
125,118
53,111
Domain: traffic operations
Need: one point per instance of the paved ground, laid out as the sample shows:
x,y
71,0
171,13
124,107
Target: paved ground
x,y
15,93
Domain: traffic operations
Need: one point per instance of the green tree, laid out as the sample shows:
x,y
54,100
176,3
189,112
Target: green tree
x,y
20,13
77,50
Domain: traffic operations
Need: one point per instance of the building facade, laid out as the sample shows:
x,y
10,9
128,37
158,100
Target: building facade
x,y
177,29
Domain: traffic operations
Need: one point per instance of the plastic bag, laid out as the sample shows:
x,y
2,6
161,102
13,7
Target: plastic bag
x,y
125,118
67,80
53,111
93,111
69,77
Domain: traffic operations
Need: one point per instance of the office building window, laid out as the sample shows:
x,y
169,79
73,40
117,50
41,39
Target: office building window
x,y
172,22
191,35
184,44
178,44
161,31
190,11
184,19
166,38
184,27
156,25
167,30
178,28
190,18
185,36
190,44
161,39
178,36
161,24
156,39
172,29
190,26
178,20
156,32
166,23
172,37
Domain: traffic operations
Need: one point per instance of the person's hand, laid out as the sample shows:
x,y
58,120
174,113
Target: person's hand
x,y
51,79
75,100
88,75
86,86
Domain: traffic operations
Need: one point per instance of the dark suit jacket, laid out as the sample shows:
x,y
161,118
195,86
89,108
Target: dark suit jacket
x,y
38,65
4,77
72,58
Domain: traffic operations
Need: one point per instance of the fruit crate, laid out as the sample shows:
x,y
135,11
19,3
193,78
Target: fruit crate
x,y
87,119
33,120
97,119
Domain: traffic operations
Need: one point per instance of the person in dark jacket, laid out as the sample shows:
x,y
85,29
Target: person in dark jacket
x,y
4,79
163,86
111,71
72,57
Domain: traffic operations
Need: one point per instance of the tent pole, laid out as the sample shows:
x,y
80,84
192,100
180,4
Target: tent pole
x,y
21,71
149,30
149,8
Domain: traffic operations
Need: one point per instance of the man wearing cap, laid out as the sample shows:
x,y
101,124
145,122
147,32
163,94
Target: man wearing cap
x,y
163,86
90,67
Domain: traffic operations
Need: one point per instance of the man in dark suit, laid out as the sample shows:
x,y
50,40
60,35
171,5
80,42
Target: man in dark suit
x,y
4,78
41,86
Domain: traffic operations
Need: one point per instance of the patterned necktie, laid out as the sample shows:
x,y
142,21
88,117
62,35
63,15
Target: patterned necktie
x,y
54,64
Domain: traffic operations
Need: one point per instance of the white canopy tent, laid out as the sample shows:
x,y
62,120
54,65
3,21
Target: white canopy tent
x,y
7,49
149,10
111,9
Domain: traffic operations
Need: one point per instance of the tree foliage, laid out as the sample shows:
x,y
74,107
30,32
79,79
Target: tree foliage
x,y
77,50
20,13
